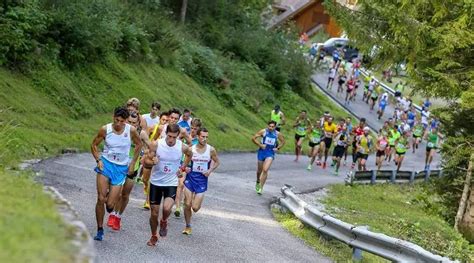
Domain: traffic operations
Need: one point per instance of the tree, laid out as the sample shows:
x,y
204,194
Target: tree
x,y
436,40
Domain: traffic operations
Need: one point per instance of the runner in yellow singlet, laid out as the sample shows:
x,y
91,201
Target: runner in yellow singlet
x,y
330,130
301,125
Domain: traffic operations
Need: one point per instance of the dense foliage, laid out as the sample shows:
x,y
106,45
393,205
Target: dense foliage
x,y
218,34
436,40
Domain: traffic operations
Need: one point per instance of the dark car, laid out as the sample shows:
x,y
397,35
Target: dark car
x,y
332,44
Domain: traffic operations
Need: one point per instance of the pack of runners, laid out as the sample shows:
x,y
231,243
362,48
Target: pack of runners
x,y
167,150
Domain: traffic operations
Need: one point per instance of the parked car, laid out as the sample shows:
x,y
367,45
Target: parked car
x,y
334,43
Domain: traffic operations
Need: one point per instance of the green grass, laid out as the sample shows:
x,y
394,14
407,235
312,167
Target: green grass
x,y
55,109
336,250
31,230
399,211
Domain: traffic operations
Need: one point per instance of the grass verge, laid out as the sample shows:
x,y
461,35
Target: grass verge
x,y
32,230
337,251
403,211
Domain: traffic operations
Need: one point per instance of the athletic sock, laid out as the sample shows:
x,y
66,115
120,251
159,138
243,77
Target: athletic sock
x,y
100,229
188,225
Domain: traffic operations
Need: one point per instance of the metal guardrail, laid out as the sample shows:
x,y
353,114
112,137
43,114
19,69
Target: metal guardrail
x,y
374,176
358,237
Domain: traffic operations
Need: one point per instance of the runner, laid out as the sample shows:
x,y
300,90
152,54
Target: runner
x,y
301,125
332,76
196,181
133,106
374,95
381,146
164,158
383,102
392,138
350,88
425,115
370,88
349,132
432,139
314,141
357,132
411,116
278,116
152,118
342,80
154,135
115,217
401,146
363,144
185,120
342,140
330,130
113,164
195,126
417,135
266,152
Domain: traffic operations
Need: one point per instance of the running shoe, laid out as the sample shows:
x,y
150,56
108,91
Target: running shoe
x,y
177,213
336,172
116,225
146,205
139,180
324,165
152,242
257,187
309,167
318,163
259,192
163,228
187,231
100,235
111,220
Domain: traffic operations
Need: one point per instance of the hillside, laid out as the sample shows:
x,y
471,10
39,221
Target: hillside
x,y
57,109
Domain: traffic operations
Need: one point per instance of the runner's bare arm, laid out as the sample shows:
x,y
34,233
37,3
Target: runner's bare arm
x,y
281,141
256,136
150,157
215,162
143,123
138,147
283,119
146,141
188,154
95,144
185,135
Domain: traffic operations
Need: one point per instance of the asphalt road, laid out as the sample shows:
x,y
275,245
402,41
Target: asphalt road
x,y
235,224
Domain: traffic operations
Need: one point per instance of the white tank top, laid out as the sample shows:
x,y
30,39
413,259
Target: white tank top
x,y
201,162
117,146
165,172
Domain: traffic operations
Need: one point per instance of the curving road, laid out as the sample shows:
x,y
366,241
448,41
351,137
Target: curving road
x,y
234,224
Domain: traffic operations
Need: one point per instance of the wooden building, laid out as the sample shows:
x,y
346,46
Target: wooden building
x,y
308,15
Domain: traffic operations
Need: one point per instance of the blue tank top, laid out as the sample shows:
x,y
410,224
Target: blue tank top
x,y
185,125
270,139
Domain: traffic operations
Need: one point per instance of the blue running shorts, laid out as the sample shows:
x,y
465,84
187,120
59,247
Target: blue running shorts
x,y
196,182
264,154
116,173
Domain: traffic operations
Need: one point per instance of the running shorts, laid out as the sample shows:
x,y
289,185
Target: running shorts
x,y
361,156
297,136
114,172
327,141
379,153
312,144
400,153
338,151
264,154
196,182
158,192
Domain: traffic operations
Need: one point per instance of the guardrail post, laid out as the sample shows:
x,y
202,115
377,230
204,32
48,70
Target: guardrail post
x,y
394,176
427,176
412,176
356,254
374,176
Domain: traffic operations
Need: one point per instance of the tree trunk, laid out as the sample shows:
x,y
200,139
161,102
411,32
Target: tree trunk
x,y
184,7
465,215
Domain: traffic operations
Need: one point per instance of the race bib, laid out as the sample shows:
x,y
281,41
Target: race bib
x,y
200,167
431,145
315,139
168,167
301,129
401,146
362,150
269,141
341,143
116,157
